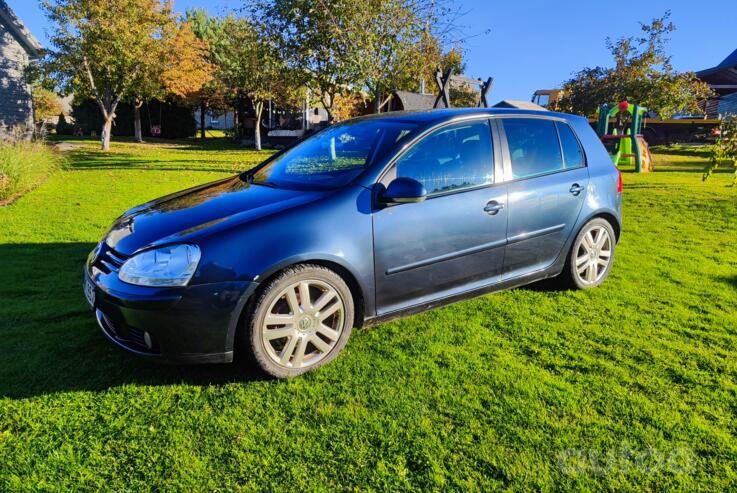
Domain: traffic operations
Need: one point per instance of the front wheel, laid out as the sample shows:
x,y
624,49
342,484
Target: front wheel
x,y
301,320
592,255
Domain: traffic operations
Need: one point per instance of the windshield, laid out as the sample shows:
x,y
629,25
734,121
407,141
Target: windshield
x,y
334,157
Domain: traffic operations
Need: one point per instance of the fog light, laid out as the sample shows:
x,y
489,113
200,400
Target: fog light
x,y
147,340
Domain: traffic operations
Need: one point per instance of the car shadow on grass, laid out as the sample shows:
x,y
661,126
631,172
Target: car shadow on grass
x,y
50,342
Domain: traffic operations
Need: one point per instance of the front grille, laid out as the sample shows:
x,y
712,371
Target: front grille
x,y
108,260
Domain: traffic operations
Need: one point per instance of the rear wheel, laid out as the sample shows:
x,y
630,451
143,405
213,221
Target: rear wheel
x,y
592,255
301,320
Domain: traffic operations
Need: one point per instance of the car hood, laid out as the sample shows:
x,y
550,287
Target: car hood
x,y
175,217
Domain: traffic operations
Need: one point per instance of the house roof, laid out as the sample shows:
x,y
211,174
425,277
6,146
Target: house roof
x,y
730,61
724,74
19,30
522,105
415,101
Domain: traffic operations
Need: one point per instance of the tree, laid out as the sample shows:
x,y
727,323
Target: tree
x,y
392,43
642,73
46,104
103,48
339,47
63,127
251,65
304,33
724,151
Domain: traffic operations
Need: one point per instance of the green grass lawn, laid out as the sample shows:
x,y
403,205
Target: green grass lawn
x,y
629,387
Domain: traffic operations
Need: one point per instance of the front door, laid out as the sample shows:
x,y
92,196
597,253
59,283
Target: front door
x,y
548,188
455,239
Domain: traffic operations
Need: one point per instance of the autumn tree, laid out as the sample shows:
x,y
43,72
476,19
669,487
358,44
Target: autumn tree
x,y
642,73
46,104
213,93
179,68
103,48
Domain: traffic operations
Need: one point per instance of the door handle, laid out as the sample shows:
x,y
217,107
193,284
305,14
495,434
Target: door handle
x,y
576,189
492,208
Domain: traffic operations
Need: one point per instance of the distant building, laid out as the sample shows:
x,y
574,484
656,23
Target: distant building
x,y
521,105
723,80
18,48
410,101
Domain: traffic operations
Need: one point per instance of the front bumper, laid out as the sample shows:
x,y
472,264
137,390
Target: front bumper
x,y
189,325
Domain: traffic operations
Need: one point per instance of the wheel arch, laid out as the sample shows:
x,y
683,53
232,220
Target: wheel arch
x,y
608,217
357,290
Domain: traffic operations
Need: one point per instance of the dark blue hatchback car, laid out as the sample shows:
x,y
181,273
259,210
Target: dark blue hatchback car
x,y
365,221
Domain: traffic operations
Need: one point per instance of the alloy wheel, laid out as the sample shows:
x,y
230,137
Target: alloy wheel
x,y
593,255
303,324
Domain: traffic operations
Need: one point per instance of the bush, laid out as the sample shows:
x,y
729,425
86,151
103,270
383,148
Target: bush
x,y
724,152
64,127
23,165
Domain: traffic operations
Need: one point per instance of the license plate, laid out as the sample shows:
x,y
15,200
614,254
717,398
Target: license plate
x,y
89,292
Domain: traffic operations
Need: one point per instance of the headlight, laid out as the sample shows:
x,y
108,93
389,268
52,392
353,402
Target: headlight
x,y
168,266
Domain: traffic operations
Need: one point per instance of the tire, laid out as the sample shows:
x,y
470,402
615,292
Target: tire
x,y
588,265
287,336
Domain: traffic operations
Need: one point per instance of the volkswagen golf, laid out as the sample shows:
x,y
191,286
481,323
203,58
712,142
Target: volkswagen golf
x,y
368,220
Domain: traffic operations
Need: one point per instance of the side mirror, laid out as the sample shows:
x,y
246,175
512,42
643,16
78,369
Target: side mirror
x,y
403,190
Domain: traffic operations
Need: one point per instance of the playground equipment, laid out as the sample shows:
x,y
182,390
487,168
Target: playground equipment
x,y
625,144
444,80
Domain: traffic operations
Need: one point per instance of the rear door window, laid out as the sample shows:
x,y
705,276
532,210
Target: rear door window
x,y
534,147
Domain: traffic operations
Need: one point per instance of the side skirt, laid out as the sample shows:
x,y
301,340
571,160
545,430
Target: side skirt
x,y
516,282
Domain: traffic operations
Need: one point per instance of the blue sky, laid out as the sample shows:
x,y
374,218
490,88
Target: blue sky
x,y
535,44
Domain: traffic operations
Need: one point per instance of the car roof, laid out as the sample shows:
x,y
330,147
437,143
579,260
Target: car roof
x,y
431,117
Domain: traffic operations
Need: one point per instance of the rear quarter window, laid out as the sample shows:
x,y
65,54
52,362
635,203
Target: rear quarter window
x,y
572,153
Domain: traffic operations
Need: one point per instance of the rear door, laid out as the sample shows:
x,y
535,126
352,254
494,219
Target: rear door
x,y
548,186
455,239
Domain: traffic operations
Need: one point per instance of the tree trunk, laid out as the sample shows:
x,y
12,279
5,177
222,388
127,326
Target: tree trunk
x,y
107,128
328,105
257,130
241,116
137,126
203,108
